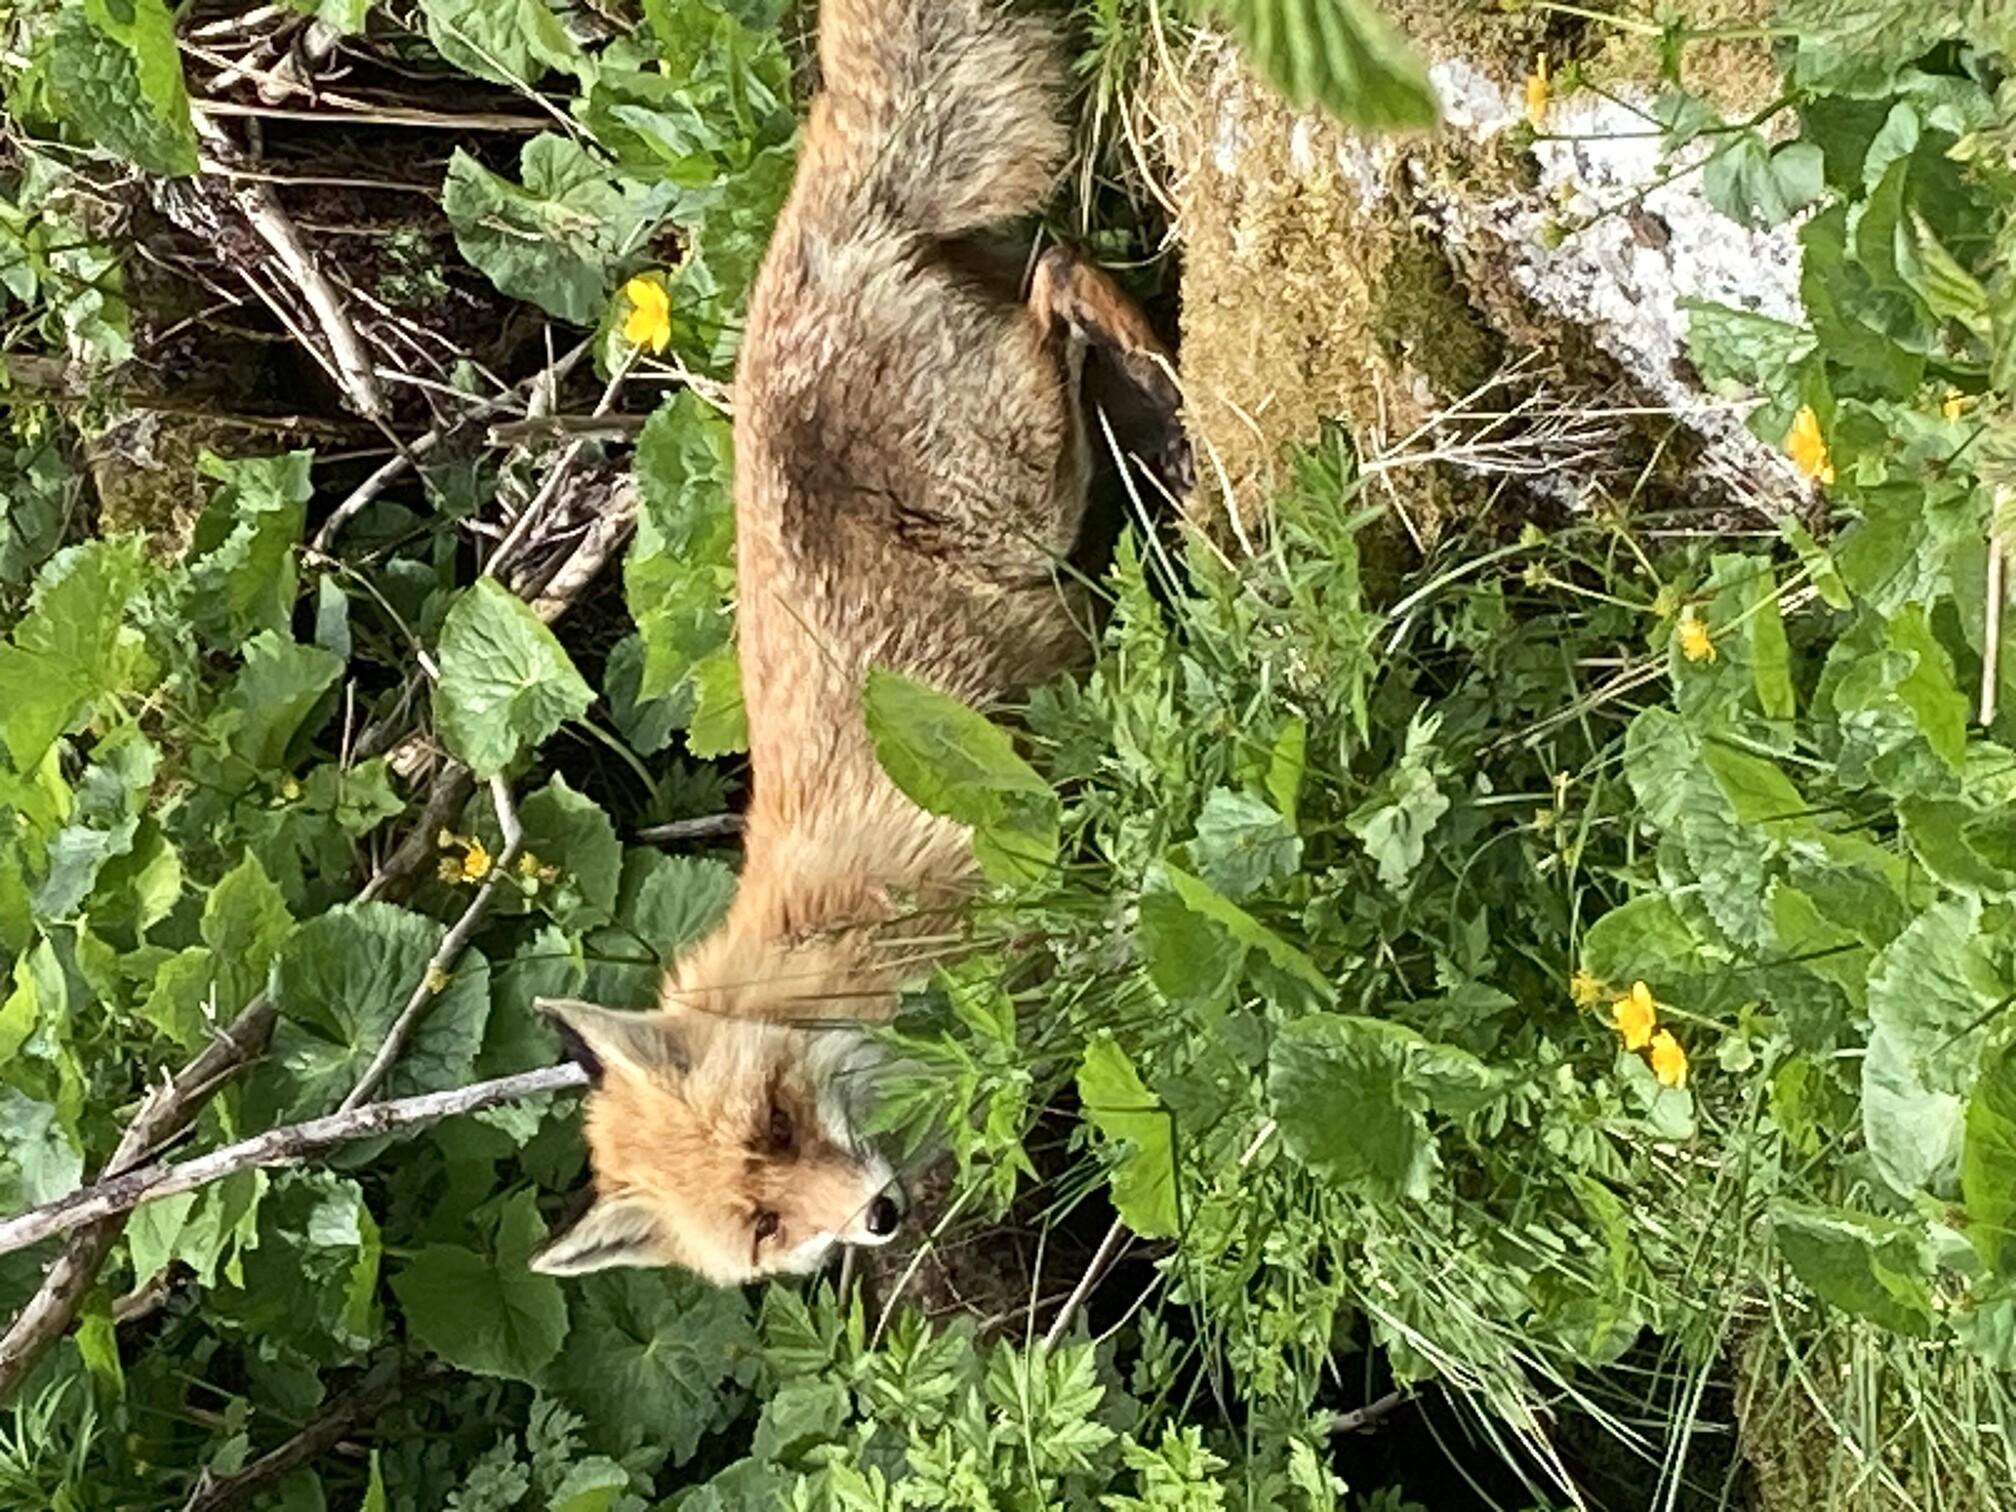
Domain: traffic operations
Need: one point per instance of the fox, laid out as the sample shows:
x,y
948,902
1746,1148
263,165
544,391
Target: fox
x,y
913,456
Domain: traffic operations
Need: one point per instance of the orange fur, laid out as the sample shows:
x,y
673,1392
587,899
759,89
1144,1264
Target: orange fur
x,y
911,466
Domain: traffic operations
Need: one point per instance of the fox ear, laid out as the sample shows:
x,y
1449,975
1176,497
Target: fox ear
x,y
597,1038
613,1231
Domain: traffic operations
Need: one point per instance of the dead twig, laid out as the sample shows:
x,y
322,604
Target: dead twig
x,y
164,1113
435,979
1102,1260
708,827
348,1414
290,1144
567,428
378,115
1358,1419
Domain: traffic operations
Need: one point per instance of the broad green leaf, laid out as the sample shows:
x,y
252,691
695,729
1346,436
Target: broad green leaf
x,y
1129,1117
1931,993
40,1159
340,983
1243,844
663,903
1405,805
1988,1160
1352,1095
488,1314
279,686
656,1361
1758,185
594,1484
115,73
1868,1266
506,681
559,240
1340,54
71,648
1733,348
949,759
567,831
719,726
679,572
1242,928
1961,848
1860,47
242,567
514,42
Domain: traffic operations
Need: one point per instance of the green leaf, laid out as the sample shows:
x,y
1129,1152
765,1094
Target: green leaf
x,y
71,648
1752,183
115,73
513,42
341,982
488,1314
566,830
1340,54
1242,928
1352,1095
1931,992
1733,347
1405,805
558,241
656,1361
1128,1116
1860,47
506,681
663,903
593,1484
1242,844
679,573
719,726
949,759
274,694
1867,1266
242,569
1988,1160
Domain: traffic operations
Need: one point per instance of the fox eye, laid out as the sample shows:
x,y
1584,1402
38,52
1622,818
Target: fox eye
x,y
780,1128
766,1226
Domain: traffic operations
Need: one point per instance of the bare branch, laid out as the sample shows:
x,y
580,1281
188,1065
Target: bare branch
x,y
165,1112
434,980
345,1417
707,827
288,1145
1102,1261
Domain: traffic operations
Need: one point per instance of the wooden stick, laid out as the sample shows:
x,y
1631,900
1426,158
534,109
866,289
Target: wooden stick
x,y
288,1145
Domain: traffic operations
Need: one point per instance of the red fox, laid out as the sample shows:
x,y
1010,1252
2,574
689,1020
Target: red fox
x,y
911,468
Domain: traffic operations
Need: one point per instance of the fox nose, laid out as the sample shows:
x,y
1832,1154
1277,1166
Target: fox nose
x,y
884,1214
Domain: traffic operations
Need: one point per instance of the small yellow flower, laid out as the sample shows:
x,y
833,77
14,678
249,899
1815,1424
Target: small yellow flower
x,y
1807,447
289,788
1954,405
475,862
1635,1015
1538,90
1669,1061
649,323
528,864
1695,642
437,979
449,870
1584,989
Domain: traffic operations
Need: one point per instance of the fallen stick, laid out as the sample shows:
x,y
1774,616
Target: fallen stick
x,y
288,1145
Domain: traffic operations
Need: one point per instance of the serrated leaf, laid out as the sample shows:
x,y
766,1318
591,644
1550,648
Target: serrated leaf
x,y
1245,931
1141,1133
1242,844
341,982
1340,54
1405,805
1340,1088
1988,1160
1932,991
719,725
679,572
273,695
949,759
242,567
558,239
115,73
71,648
1865,1265
506,681
513,42
489,1314
655,1361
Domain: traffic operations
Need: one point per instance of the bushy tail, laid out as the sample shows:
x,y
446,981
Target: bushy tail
x,y
951,110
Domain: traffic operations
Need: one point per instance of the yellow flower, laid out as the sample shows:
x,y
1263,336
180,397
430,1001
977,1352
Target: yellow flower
x,y
1584,989
437,980
1669,1061
528,864
1635,1014
1695,642
649,323
475,862
1954,405
449,870
1807,447
1537,91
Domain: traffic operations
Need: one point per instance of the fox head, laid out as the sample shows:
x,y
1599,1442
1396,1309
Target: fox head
x,y
721,1143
